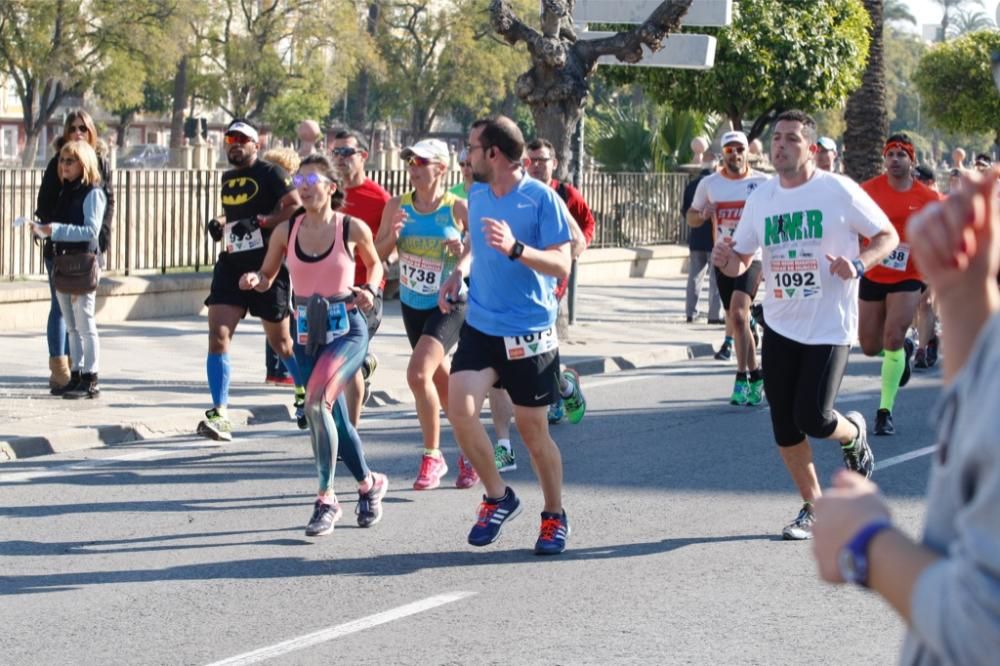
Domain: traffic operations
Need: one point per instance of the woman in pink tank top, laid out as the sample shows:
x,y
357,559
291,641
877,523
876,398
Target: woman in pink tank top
x,y
331,332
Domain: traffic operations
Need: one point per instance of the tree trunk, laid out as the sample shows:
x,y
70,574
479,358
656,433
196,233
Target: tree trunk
x,y
866,116
358,109
179,104
556,86
30,144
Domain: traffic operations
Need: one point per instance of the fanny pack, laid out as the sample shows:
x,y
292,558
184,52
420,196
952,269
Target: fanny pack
x,y
76,273
320,321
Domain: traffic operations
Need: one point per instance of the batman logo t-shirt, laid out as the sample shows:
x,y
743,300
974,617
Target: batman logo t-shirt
x,y
247,193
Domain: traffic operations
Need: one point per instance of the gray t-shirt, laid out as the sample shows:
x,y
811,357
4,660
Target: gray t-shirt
x,y
955,607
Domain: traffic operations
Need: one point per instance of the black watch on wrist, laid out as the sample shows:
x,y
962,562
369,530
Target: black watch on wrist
x,y
516,251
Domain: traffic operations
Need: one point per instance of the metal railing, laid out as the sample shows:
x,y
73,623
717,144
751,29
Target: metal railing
x,y
160,216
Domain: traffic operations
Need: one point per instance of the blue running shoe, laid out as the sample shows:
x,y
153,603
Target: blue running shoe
x,y
557,412
553,534
493,515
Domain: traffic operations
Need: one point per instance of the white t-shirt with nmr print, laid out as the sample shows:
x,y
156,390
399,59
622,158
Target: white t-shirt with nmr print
x,y
796,228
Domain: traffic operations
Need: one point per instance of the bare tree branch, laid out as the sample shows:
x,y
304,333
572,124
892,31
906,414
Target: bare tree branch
x,y
627,46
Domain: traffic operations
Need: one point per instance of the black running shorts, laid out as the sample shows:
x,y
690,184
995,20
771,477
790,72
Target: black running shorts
x,y
271,305
801,382
747,283
530,382
869,290
444,328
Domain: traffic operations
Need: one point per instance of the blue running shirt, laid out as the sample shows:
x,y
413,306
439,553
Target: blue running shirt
x,y
506,297
423,261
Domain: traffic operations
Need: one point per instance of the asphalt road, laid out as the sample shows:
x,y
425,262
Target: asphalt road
x,y
183,552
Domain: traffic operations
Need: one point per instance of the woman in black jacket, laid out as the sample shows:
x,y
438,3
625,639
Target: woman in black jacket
x,y
79,126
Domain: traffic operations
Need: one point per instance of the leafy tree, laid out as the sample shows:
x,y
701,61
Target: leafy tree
x,y
956,84
619,136
866,116
776,55
55,49
261,49
902,55
440,57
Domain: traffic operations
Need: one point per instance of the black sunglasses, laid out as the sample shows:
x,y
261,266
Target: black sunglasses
x,y
344,151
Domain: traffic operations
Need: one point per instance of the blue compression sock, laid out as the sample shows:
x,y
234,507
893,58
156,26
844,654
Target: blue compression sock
x,y
293,369
217,367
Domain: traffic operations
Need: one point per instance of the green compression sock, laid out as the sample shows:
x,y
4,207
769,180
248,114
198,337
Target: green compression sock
x,y
893,363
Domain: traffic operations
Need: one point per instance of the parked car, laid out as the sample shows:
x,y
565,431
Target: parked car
x,y
144,156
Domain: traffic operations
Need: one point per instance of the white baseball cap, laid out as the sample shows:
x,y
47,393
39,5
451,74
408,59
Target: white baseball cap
x,y
435,150
735,137
826,143
243,128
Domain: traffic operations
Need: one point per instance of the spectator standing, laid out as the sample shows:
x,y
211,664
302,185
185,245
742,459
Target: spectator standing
x,y
74,231
699,261
79,126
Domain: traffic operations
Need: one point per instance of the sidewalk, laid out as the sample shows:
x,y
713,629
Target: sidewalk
x,y
153,372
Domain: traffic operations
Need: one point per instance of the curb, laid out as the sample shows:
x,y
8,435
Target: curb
x,y
91,437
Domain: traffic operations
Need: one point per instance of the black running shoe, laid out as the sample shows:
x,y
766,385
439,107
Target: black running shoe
x,y
920,360
300,412
908,368
725,352
369,508
859,458
883,423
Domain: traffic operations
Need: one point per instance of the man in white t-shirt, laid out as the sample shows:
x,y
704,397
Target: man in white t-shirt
x,y
808,223
720,198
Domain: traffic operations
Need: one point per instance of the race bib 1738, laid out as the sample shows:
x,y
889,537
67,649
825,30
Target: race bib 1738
x,y
420,275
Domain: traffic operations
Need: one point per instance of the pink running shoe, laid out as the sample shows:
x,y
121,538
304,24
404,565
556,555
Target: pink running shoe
x,y
431,471
467,476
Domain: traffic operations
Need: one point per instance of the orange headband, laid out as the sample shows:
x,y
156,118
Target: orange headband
x,y
905,147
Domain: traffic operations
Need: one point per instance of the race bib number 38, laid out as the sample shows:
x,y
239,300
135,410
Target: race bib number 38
x,y
420,274
794,276
898,258
243,236
531,344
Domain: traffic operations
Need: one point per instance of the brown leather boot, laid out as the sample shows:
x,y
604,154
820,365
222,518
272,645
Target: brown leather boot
x,y
58,371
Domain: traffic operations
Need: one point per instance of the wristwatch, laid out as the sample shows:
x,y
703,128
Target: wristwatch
x,y
516,251
853,558
859,266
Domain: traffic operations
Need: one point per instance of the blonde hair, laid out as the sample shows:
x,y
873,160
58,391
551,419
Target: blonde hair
x,y
286,158
84,152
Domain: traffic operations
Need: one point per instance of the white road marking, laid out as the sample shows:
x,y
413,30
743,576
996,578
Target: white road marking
x,y
904,457
84,465
324,635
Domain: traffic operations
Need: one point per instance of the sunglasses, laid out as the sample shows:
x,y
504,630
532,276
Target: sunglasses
x,y
300,180
344,152
416,160
68,160
79,128
729,150
464,165
232,139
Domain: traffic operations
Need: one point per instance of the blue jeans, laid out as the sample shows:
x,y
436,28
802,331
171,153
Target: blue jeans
x,y
55,329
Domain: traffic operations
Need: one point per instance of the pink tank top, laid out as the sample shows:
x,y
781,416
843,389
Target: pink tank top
x,y
330,274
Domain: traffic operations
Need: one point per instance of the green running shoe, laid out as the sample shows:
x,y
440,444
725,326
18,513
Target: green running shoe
x,y
575,404
741,393
755,395
215,426
504,458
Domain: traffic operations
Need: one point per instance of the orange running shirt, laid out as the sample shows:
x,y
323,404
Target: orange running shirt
x,y
898,207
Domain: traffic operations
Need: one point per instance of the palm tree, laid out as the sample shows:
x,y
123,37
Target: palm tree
x,y
866,116
969,21
895,10
950,8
